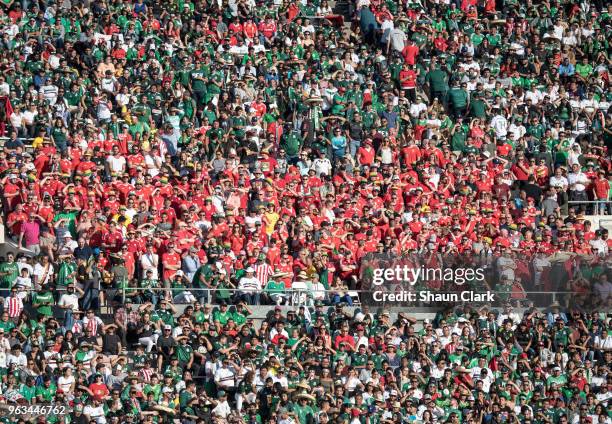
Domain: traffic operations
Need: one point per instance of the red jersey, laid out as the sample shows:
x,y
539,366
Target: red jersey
x,y
170,259
410,53
602,188
408,78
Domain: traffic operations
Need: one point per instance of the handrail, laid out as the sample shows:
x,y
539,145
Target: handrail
x,y
358,291
286,291
306,297
588,201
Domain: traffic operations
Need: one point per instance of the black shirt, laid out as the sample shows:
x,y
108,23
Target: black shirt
x,y
355,130
166,344
523,337
84,252
81,419
145,330
110,344
534,191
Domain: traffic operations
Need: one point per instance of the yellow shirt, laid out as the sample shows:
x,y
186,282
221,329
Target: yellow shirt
x,y
271,220
127,221
37,143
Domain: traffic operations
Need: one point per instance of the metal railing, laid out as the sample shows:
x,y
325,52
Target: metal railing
x,y
307,297
594,205
591,202
298,297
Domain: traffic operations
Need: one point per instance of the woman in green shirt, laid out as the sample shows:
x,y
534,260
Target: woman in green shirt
x,y
59,134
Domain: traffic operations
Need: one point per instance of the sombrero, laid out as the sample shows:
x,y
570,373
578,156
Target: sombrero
x,y
303,384
305,396
314,100
162,408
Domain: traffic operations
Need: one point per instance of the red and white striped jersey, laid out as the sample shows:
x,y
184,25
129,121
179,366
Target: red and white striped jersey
x,y
146,374
94,324
263,272
77,327
14,306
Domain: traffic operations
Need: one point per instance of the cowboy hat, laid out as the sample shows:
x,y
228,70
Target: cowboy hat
x,y
303,384
305,396
314,100
303,276
163,408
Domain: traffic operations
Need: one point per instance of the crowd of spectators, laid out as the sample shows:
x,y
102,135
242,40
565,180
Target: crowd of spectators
x,y
214,156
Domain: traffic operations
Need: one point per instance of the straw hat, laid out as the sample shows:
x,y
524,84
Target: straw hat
x,y
303,384
305,396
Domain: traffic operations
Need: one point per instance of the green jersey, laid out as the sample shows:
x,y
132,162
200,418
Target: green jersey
x,y
292,143
458,97
166,316
478,108
149,283
458,140
477,38
561,336
9,271
197,78
47,393
239,318
437,79
303,412
28,392
184,353
66,273
155,389
7,326
222,317
339,104
274,287
584,70
42,302
71,221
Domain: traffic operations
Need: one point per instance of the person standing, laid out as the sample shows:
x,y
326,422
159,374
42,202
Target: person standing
x,y
9,271
29,236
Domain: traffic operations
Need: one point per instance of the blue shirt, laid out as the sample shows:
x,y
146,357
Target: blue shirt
x,y
190,265
391,118
339,145
171,141
566,69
